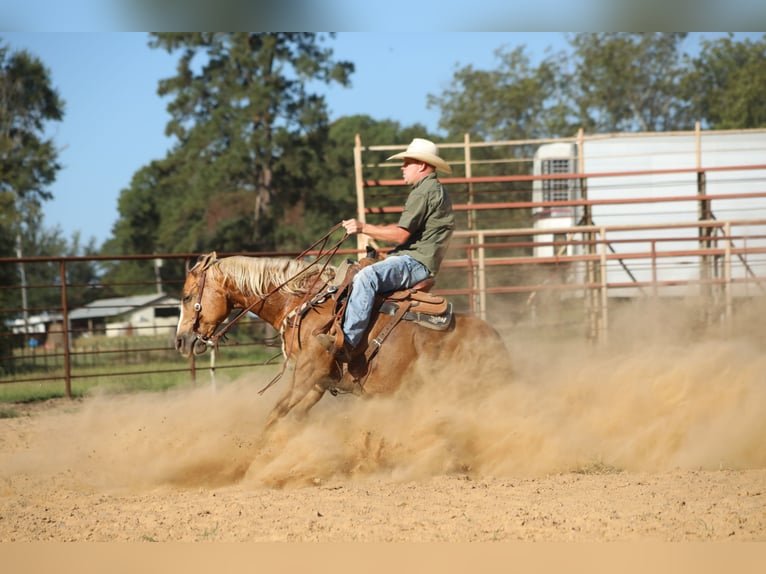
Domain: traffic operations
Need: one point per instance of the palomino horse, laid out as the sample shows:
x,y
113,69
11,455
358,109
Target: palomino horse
x,y
288,294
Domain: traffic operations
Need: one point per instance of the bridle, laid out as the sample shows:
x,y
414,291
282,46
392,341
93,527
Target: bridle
x,y
212,341
209,341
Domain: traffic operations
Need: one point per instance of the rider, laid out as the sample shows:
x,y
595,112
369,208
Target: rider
x,y
421,237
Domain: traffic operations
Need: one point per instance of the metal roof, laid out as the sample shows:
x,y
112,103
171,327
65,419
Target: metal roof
x,y
121,305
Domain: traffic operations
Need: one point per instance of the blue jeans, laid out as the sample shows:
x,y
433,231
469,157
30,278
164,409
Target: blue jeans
x,y
391,274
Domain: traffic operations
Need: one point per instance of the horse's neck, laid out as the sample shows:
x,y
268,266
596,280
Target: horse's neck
x,y
275,307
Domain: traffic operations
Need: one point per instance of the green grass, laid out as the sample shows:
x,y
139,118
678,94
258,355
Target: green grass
x,y
122,383
128,371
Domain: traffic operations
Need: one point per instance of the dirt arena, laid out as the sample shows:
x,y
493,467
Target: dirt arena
x,y
657,438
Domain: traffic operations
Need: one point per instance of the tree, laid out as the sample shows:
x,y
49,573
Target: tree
x,y
155,216
628,82
606,82
28,160
250,133
44,278
246,172
726,83
510,101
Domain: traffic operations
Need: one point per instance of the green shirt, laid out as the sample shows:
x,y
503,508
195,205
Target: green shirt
x,y
429,218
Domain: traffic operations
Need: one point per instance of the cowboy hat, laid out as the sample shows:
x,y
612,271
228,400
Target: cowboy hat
x,y
425,151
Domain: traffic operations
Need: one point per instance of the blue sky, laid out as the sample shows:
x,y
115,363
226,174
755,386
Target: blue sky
x,y
114,120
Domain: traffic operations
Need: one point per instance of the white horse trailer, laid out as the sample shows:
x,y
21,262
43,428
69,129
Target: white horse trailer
x,y
656,204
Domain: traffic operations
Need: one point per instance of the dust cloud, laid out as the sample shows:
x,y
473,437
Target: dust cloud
x,y
656,397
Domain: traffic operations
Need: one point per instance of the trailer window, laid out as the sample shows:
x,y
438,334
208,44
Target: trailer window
x,y
555,189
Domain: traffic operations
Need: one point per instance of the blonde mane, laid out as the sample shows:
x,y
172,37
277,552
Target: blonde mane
x,y
259,275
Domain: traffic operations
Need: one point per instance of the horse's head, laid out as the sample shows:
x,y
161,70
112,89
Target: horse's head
x,y
204,306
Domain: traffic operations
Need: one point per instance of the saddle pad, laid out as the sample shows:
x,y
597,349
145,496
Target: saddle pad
x,y
341,271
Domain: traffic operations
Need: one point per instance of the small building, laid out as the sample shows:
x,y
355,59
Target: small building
x,y
37,330
155,314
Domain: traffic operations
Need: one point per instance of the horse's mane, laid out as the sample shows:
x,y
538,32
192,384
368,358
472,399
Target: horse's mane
x,y
259,275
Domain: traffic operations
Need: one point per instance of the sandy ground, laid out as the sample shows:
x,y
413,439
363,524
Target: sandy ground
x,y
661,440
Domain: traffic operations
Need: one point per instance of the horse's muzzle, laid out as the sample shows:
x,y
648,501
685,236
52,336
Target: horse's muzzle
x,y
189,343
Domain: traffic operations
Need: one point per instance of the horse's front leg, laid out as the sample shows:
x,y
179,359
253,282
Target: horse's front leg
x,y
310,373
281,407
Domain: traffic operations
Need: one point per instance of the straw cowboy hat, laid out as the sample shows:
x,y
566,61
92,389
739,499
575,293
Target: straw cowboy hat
x,y
426,151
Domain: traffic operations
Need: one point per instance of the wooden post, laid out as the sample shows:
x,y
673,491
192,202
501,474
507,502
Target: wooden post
x,y
604,299
471,222
704,213
482,278
728,305
592,299
361,215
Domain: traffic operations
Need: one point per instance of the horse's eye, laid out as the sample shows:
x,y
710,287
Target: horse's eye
x,y
186,298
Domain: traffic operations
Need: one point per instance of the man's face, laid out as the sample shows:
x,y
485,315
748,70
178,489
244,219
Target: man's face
x,y
412,171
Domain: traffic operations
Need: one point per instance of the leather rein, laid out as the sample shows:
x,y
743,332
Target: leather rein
x,y
212,341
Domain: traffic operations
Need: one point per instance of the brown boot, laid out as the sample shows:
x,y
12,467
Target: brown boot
x,y
341,354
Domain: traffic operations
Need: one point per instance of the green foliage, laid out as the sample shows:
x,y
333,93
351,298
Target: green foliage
x,y
44,279
28,161
609,82
28,165
628,82
511,101
251,137
726,84
248,169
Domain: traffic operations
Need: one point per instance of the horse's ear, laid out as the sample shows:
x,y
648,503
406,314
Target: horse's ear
x,y
207,260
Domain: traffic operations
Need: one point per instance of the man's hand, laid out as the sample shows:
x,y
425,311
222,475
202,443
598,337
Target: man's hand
x,y
353,226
